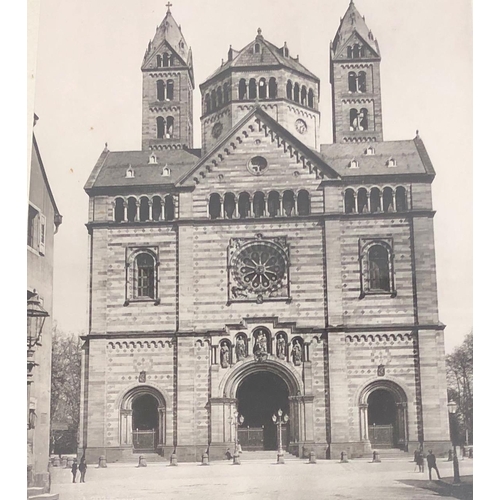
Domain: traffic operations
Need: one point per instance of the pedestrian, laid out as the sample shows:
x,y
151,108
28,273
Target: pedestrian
x,y
228,454
83,469
74,469
415,455
431,464
420,461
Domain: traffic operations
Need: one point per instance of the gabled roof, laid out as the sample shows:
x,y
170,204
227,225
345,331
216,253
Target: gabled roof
x,y
170,32
269,56
111,168
310,155
410,157
351,23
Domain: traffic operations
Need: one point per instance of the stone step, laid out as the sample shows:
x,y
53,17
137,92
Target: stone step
x,y
267,455
34,490
45,496
150,458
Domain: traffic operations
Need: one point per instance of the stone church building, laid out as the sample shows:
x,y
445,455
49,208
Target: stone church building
x,y
263,271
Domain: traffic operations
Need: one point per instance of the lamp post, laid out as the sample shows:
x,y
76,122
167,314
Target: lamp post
x,y
279,421
236,420
36,318
452,409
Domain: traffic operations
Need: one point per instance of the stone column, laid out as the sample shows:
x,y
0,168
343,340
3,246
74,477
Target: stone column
x,y
126,427
363,422
402,423
368,201
150,210
161,425
125,211
162,209
355,202
394,200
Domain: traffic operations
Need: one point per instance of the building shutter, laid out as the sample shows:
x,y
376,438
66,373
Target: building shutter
x,y
42,233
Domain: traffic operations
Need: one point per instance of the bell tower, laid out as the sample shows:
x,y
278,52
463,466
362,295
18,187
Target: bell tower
x,y
355,79
167,89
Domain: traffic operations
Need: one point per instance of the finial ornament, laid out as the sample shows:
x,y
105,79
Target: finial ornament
x,y
168,5
259,31
416,132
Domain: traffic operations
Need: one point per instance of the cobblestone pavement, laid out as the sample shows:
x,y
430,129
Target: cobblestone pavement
x,y
356,480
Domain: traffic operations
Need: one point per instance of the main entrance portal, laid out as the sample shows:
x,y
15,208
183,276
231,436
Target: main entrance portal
x,y
383,419
260,396
144,422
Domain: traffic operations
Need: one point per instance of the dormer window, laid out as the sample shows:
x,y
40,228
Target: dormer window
x,y
257,48
370,151
391,162
130,173
152,159
353,164
166,171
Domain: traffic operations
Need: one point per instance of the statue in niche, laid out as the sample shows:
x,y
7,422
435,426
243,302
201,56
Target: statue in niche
x,y
297,353
241,349
281,346
224,355
260,347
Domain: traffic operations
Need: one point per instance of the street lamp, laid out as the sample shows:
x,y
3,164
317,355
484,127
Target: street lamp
x,y
279,421
452,410
236,420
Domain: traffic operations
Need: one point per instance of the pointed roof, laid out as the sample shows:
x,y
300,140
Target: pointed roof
x,y
315,158
351,23
269,56
170,32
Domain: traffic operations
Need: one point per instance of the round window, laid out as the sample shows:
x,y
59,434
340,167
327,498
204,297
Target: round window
x,y
257,165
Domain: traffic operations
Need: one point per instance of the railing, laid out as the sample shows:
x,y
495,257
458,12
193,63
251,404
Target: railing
x,y
144,440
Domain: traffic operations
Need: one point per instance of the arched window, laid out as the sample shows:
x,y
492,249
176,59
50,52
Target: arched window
x,y
349,202
289,90
303,203
144,209
362,201
273,203
361,81
169,207
170,90
288,203
166,60
160,127
119,210
219,97
362,51
388,204
355,51
257,48
353,120
310,98
158,61
375,200
213,98
207,103
242,89
363,119
229,205
252,89
349,52
273,88
262,89
378,265
351,79
145,266
131,209
401,205
303,95
244,205
214,206
160,90
296,92
258,204
226,93
156,208
171,61
170,127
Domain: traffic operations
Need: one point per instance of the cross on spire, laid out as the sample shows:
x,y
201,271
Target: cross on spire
x,y
168,5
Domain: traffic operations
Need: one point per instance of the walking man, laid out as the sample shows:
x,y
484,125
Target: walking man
x,y
74,469
431,464
83,469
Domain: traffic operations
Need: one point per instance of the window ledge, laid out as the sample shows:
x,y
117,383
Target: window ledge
x,y
392,294
35,251
148,300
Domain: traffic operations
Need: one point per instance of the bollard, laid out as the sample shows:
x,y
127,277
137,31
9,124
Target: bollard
x,y
281,458
69,461
204,459
312,457
236,459
102,462
343,457
63,462
173,459
142,461
376,457
450,455
56,462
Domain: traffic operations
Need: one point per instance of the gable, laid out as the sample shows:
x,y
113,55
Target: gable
x,y
164,47
356,38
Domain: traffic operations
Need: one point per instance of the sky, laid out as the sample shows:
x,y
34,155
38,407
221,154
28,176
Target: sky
x,y
88,92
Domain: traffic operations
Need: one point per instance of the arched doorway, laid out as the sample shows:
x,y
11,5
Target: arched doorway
x,y
383,415
260,395
143,419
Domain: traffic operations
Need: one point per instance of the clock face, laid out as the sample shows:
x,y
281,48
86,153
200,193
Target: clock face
x,y
301,126
217,130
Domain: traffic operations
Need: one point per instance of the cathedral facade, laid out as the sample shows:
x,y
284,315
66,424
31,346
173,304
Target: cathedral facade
x,y
264,271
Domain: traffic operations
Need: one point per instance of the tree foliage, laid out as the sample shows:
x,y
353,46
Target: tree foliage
x,y
65,386
460,384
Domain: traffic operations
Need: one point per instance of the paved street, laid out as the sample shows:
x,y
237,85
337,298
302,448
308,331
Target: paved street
x,y
298,480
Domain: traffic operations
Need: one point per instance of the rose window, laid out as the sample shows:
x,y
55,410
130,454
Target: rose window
x,y
259,269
